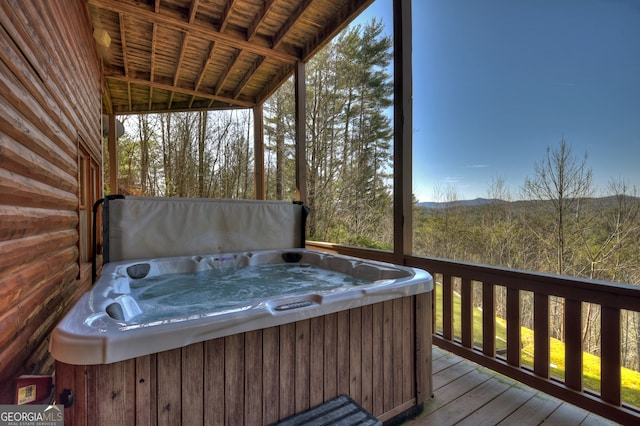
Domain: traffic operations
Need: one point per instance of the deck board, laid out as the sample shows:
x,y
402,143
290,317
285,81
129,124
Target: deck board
x,y
499,408
467,394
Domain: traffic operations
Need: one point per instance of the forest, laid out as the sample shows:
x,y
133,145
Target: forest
x,y
210,154
558,222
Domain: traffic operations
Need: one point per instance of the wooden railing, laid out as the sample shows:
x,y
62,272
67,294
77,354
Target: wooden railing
x,y
574,294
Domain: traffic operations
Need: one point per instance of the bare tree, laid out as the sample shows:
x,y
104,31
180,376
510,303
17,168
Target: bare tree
x,y
500,230
279,125
202,137
561,183
145,133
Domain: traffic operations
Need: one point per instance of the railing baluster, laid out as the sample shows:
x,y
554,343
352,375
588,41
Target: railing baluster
x,y
489,319
610,355
514,340
466,314
573,344
546,288
434,306
541,335
447,307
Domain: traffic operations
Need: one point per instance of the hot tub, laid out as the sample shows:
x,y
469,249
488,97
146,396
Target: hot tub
x,y
141,307
144,346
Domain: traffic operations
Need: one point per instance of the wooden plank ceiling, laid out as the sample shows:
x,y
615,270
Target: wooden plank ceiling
x,y
179,55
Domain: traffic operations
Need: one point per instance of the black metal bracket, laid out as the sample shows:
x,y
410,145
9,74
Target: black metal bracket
x,y
66,398
94,245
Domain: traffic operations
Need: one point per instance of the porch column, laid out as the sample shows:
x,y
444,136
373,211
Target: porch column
x,y
258,150
301,143
112,146
403,125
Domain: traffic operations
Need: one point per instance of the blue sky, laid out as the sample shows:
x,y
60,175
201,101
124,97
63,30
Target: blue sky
x,y
496,82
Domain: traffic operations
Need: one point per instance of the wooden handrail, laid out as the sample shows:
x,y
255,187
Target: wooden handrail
x,y
611,297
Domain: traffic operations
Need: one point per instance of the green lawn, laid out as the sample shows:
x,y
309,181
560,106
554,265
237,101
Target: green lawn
x,y
591,363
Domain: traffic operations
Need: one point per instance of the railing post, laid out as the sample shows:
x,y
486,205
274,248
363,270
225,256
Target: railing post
x,y
447,307
573,344
541,335
489,319
466,314
514,340
610,355
569,293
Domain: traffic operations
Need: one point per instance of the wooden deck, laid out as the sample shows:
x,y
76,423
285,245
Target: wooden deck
x,y
467,394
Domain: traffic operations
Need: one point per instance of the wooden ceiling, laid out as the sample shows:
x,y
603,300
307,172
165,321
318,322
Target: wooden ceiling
x,y
180,55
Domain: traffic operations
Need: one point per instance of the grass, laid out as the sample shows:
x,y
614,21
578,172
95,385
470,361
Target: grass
x,y
591,363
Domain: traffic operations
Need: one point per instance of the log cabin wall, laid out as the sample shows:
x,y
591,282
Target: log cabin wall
x,y
50,123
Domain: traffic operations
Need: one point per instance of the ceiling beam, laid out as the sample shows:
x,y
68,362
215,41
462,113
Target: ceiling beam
x,y
170,88
260,17
245,80
183,48
203,71
225,15
154,40
106,95
293,18
192,10
176,76
123,43
276,81
197,30
125,62
227,72
337,24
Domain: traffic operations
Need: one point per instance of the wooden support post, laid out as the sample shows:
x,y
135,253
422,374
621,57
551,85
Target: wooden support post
x,y
113,156
403,124
301,142
258,151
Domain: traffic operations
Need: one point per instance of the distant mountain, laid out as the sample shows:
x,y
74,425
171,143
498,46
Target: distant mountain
x,y
461,203
603,202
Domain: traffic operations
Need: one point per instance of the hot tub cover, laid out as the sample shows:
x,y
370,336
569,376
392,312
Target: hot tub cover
x,y
149,227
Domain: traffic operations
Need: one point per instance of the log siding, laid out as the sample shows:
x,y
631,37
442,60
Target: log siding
x,y
50,98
